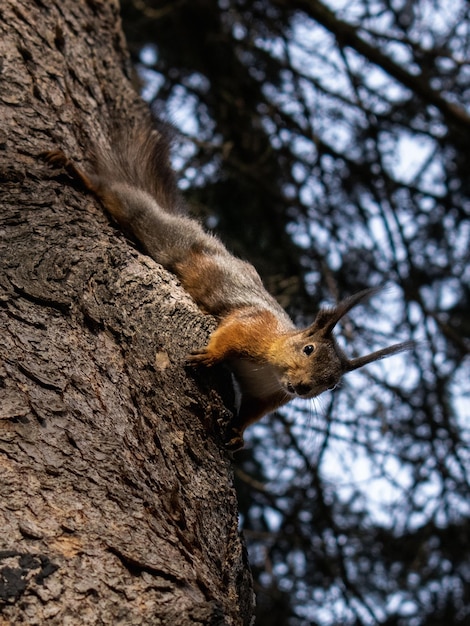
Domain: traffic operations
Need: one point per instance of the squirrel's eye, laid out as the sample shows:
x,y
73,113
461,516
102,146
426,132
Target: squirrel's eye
x,y
309,349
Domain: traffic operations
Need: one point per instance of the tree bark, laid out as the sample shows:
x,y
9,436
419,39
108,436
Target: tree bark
x,y
116,496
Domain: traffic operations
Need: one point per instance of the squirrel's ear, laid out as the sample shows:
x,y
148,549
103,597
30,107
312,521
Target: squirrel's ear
x,y
354,364
327,319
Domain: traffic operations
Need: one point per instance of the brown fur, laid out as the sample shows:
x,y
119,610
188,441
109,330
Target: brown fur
x,y
271,359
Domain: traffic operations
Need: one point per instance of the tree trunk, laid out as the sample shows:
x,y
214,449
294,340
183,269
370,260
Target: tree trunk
x,y
116,496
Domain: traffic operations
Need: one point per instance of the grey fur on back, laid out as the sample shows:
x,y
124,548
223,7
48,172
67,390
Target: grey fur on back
x,y
135,171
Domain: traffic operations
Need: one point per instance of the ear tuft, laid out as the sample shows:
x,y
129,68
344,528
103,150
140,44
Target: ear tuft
x,y
354,364
327,319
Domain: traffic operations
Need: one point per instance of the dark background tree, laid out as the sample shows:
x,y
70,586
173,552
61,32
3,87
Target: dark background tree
x,y
328,143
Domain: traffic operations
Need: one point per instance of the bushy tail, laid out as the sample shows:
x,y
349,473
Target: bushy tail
x,y
139,156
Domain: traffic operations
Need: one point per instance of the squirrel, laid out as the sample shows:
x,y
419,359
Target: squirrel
x,y
272,360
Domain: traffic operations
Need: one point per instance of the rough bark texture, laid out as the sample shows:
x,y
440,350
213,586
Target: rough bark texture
x,y
116,501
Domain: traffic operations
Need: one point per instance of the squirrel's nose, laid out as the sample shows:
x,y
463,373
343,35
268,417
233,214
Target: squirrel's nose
x,y
302,389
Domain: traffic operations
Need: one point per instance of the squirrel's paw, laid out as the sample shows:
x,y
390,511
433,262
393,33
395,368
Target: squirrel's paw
x,y
200,357
55,158
234,440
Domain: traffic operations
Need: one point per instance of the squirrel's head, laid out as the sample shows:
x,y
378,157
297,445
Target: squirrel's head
x,y
313,361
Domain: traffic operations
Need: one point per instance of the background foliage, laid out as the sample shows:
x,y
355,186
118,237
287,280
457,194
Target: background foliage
x,y
328,143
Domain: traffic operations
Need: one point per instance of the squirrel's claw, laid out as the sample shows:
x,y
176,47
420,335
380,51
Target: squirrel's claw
x,y
200,357
55,158
234,441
